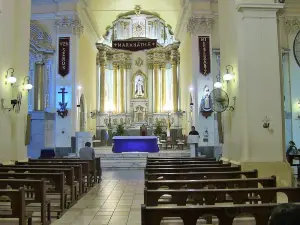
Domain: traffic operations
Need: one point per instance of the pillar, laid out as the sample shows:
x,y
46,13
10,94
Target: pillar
x,y
249,42
122,95
174,61
163,84
115,98
102,80
156,87
39,95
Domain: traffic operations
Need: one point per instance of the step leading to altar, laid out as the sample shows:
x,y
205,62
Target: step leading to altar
x,y
133,160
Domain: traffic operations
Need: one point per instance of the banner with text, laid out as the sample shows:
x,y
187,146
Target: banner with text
x,y
135,45
63,56
204,55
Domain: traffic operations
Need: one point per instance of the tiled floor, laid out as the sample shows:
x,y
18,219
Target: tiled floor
x,y
116,201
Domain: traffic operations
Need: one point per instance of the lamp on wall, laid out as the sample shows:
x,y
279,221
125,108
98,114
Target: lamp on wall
x,y
218,84
26,83
229,75
10,76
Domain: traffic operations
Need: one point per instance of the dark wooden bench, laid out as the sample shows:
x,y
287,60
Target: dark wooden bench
x,y
18,209
84,167
201,175
215,183
163,159
187,165
37,189
93,169
68,172
152,215
191,169
170,163
213,196
57,181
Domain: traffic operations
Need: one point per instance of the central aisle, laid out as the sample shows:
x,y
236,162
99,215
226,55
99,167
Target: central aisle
x,y
115,201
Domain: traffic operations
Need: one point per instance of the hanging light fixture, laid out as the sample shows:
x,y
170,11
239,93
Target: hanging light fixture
x,y
26,84
228,76
218,84
10,78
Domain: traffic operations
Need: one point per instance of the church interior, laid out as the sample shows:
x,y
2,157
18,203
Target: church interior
x,y
175,97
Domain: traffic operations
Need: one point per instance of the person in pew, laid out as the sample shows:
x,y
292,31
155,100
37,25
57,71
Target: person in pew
x,y
292,150
285,214
193,131
87,153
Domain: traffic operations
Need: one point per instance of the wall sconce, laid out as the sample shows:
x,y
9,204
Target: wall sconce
x,y
218,84
298,104
27,86
228,76
10,77
266,123
79,87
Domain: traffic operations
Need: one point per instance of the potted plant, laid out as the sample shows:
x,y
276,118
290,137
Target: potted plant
x,y
158,129
120,130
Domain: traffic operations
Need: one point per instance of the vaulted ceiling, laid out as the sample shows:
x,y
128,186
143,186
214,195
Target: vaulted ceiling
x,y
106,11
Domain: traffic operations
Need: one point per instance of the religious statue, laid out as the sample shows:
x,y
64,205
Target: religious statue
x,y
206,102
139,87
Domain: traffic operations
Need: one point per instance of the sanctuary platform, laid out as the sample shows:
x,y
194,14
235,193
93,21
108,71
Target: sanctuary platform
x,y
132,160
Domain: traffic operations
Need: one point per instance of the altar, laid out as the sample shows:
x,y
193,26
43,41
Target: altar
x,y
135,144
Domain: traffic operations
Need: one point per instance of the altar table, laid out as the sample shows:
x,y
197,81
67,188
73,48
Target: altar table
x,y
135,144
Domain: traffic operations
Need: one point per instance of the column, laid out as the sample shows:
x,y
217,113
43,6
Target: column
x,y
115,98
174,60
163,84
156,87
39,95
122,95
102,80
256,86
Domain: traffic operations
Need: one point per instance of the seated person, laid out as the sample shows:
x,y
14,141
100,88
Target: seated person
x,y
87,153
285,214
292,150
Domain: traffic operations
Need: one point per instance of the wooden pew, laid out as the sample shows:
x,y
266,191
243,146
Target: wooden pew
x,y
214,183
18,209
56,179
213,196
191,169
38,188
187,165
152,215
94,171
84,167
171,163
68,172
77,175
171,159
201,175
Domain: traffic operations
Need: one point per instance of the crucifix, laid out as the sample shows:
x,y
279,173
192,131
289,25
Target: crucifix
x,y
63,92
62,112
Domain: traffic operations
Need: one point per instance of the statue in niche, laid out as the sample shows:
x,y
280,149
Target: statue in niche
x,y
206,101
139,87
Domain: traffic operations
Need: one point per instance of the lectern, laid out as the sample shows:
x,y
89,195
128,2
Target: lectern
x,y
193,140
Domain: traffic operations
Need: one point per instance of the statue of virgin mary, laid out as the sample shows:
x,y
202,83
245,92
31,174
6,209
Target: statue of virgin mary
x,y
206,102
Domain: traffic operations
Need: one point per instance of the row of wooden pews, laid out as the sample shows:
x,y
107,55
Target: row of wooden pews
x,y
44,188
204,190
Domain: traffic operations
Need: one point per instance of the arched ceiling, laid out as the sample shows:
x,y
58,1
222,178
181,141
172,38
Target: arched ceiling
x,y
106,11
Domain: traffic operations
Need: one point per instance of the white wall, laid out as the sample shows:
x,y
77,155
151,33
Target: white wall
x,y
14,50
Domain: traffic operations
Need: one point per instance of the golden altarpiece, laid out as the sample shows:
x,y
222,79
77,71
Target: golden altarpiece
x,y
138,83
